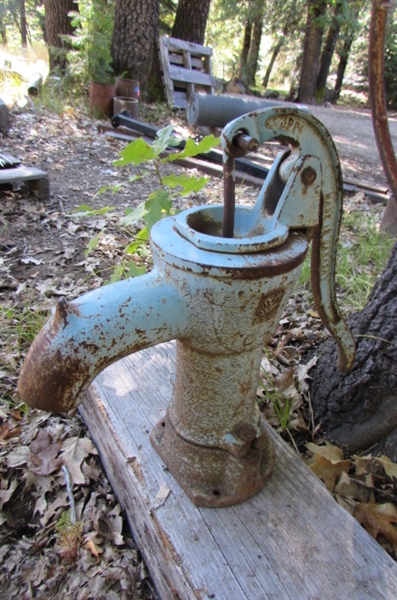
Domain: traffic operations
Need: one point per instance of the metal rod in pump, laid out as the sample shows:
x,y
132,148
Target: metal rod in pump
x,y
241,145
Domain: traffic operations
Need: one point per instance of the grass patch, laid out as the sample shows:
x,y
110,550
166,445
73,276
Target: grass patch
x,y
363,252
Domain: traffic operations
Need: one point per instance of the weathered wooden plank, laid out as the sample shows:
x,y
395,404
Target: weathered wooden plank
x,y
292,541
169,86
35,179
174,44
177,59
191,76
21,173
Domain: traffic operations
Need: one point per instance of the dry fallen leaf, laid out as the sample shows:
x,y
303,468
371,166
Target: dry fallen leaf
x,y
328,463
378,520
44,453
74,450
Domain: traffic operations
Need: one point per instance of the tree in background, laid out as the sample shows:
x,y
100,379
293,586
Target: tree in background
x,y
328,50
349,30
58,24
135,49
282,21
316,10
252,41
191,20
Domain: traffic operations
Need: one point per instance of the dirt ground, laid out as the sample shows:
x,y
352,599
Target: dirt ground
x,y
42,246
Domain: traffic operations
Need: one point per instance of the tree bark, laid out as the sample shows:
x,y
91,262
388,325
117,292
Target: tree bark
x,y
191,20
58,23
135,49
311,50
359,409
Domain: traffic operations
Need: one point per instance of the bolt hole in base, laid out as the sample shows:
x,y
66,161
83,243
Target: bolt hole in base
x,y
216,493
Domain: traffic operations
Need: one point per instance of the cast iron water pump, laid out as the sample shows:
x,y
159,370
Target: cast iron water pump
x,y
222,275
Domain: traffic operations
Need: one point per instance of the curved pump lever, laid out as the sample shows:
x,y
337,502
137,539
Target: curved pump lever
x,y
302,191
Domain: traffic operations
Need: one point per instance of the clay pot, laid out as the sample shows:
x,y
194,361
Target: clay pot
x,y
101,99
128,88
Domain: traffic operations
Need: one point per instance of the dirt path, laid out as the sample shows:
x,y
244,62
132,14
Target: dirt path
x,y
352,132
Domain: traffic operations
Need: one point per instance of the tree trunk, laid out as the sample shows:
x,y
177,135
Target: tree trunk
x,y
359,409
275,53
252,64
24,28
246,48
135,49
311,50
191,20
340,73
328,51
58,23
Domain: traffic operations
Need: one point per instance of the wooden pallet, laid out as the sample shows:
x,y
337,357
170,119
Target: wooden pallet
x,y
186,69
292,541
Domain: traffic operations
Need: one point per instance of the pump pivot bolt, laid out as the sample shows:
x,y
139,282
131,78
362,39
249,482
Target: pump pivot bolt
x,y
309,176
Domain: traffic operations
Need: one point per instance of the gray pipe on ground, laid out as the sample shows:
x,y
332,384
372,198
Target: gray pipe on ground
x,y
216,111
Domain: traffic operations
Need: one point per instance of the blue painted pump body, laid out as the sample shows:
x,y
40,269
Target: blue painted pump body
x,y
221,299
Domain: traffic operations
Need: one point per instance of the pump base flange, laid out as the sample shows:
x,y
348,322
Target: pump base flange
x,y
213,477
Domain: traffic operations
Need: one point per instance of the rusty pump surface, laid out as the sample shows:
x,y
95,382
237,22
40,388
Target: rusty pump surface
x,y
221,278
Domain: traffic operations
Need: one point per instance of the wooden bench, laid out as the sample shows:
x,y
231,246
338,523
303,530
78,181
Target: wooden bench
x,y
186,68
291,541
35,179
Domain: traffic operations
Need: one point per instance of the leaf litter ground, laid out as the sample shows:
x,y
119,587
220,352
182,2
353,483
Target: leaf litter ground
x,y
48,462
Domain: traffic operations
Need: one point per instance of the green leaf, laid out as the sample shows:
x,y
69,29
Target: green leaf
x,y
135,153
132,215
165,138
143,235
133,270
192,149
93,243
118,273
158,203
189,184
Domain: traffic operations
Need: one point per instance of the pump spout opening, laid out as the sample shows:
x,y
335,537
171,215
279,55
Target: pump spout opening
x,y
86,335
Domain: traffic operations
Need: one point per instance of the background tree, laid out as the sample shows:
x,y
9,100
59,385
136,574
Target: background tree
x,y
191,20
58,24
359,410
282,21
252,41
349,30
328,50
135,49
316,10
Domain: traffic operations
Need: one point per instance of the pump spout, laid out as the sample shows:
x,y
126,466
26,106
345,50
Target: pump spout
x,y
86,335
